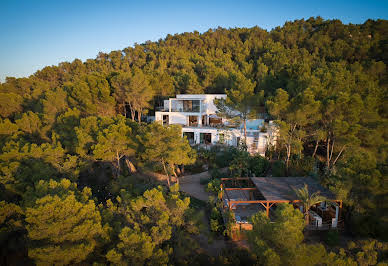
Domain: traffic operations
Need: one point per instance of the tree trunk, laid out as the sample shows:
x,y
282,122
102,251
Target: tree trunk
x,y
288,157
245,131
132,112
328,153
139,116
339,154
130,166
132,115
332,149
316,148
118,164
168,175
178,170
124,109
176,176
307,218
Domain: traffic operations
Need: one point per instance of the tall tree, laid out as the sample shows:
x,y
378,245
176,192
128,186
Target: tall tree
x,y
10,103
292,117
115,142
166,146
91,95
120,82
240,102
275,243
138,93
62,223
150,222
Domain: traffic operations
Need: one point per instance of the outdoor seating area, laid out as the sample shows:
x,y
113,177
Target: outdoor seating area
x,y
246,196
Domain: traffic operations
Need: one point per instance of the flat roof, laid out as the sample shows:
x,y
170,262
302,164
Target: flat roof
x,y
282,188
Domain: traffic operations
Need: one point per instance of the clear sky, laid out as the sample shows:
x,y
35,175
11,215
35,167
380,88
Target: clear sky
x,y
35,33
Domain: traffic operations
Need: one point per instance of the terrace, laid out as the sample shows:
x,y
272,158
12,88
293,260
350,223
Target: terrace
x,y
246,196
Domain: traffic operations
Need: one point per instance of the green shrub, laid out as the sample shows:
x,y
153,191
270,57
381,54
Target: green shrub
x,y
224,158
215,173
302,166
258,165
214,186
278,168
239,166
216,221
214,225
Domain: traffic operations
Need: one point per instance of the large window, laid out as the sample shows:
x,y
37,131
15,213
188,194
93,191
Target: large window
x,y
189,136
205,138
191,105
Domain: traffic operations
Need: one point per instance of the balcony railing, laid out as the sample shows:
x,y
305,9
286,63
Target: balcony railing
x,y
161,109
194,109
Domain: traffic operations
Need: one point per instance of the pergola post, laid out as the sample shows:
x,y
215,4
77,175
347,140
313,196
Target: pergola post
x,y
267,208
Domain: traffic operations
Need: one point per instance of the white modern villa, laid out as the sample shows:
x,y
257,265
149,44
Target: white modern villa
x,y
197,114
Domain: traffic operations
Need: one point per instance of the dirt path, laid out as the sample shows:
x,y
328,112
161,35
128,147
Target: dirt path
x,y
210,244
192,186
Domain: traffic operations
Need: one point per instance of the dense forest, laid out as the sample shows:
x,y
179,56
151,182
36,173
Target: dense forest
x,y
75,145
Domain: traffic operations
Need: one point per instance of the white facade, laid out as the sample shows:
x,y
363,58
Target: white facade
x,y
201,125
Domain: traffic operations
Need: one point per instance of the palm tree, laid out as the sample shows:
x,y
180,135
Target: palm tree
x,y
308,200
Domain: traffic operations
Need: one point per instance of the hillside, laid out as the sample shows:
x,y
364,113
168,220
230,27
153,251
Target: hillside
x,y
67,131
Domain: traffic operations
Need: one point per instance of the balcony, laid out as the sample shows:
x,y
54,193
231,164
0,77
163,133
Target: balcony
x,y
161,108
185,106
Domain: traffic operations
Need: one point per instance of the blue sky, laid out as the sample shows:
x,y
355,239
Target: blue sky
x,y
35,33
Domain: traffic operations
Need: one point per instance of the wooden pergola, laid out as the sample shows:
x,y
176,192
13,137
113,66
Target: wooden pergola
x,y
273,190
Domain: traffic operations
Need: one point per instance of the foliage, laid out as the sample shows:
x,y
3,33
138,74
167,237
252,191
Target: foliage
x,y
148,223
62,223
240,101
361,183
216,221
278,168
12,231
239,166
258,165
164,145
322,81
115,142
269,241
214,186
308,200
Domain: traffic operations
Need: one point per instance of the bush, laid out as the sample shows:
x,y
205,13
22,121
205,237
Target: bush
x,y
214,186
215,173
302,167
216,221
278,168
239,166
258,165
214,225
224,158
